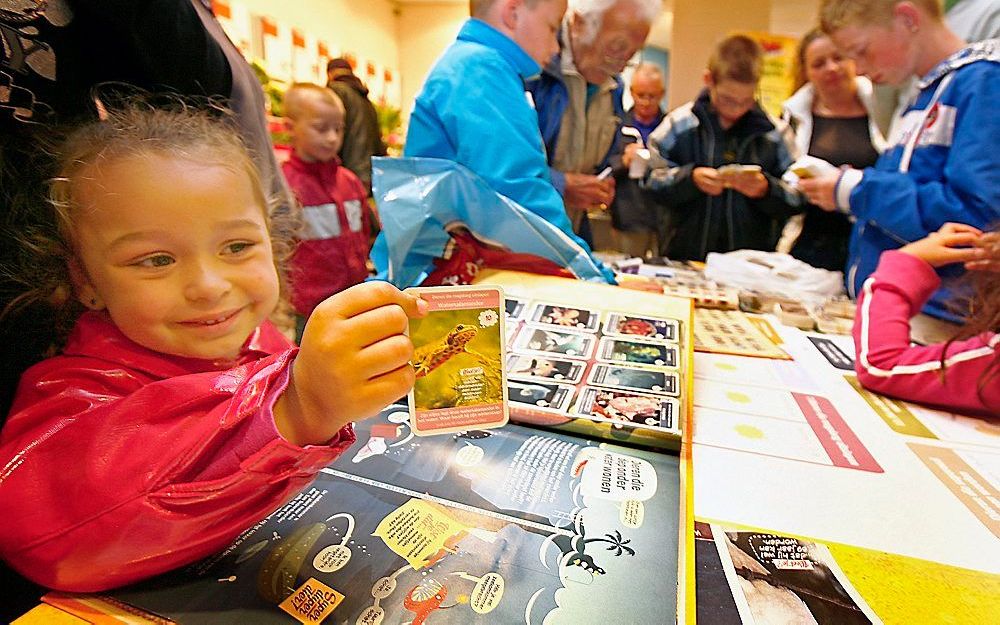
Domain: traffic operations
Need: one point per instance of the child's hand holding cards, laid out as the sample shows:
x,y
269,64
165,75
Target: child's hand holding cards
x,y
459,355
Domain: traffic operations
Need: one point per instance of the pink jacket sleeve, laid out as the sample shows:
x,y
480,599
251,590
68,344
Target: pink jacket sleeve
x,y
103,475
886,361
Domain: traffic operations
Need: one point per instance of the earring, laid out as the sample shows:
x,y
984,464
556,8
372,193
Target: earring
x,y
93,302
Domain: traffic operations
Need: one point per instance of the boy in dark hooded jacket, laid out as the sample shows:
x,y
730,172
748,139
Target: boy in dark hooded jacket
x,y
713,209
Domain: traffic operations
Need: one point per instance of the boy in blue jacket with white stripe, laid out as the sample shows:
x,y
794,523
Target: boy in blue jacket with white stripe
x,y
473,108
942,164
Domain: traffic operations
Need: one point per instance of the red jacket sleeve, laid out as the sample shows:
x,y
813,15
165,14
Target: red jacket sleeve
x,y
887,363
102,480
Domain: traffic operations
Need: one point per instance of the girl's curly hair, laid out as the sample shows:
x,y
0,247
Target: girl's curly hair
x,y
982,311
199,131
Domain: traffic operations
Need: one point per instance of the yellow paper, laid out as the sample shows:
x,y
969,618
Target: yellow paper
x,y
311,602
420,532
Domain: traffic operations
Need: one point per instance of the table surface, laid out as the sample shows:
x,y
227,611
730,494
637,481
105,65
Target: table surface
x,y
759,464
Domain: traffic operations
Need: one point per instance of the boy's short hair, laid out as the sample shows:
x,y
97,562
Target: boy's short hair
x,y
837,14
738,58
300,94
479,8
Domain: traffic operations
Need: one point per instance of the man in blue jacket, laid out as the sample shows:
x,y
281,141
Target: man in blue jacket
x,y
579,98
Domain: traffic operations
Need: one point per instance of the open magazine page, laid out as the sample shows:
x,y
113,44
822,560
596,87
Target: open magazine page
x,y
485,526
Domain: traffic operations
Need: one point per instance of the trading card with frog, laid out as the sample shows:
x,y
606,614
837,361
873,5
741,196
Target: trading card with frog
x,y
459,356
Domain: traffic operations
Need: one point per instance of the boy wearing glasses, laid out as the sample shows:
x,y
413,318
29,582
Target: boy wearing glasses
x,y
716,208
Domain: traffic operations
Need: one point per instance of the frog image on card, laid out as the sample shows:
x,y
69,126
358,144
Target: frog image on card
x,y
651,328
647,379
540,394
538,366
627,406
537,339
565,317
637,351
458,359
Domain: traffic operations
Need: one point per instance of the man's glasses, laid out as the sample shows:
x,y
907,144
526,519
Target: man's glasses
x,y
730,102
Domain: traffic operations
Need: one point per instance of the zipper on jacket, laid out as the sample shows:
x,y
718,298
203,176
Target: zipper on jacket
x,y
710,140
741,150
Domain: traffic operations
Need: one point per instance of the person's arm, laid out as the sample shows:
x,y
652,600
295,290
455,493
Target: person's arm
x,y
668,176
908,205
778,199
887,362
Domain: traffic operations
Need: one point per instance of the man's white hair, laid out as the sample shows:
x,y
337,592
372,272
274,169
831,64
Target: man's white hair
x,y
650,70
592,12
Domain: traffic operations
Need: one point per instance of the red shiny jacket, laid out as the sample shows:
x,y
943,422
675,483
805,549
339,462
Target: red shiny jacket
x,y
333,246
118,463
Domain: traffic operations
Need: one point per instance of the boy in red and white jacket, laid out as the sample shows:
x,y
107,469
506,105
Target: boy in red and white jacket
x,y
960,375
332,249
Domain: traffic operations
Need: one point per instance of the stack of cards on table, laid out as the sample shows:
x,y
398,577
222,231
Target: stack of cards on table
x,y
459,350
564,359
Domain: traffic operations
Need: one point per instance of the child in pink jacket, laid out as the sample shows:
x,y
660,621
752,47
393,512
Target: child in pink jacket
x,y
960,375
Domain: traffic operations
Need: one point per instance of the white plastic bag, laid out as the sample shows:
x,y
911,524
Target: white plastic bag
x,y
772,272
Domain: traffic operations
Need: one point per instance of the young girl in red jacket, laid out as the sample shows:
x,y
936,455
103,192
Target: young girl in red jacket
x,y
960,375
176,415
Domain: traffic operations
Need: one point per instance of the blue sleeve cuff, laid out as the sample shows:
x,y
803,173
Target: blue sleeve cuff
x,y
848,180
558,180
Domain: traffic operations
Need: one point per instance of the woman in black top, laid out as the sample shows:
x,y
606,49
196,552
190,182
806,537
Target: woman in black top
x,y
831,116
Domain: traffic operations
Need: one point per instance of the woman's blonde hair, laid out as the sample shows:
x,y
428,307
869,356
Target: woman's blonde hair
x,y
202,132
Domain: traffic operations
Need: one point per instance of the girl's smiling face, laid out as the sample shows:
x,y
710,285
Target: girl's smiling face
x,y
177,250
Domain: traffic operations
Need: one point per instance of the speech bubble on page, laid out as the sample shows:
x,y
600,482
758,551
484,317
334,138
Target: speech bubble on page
x,y
617,477
469,456
486,595
332,558
420,532
632,513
